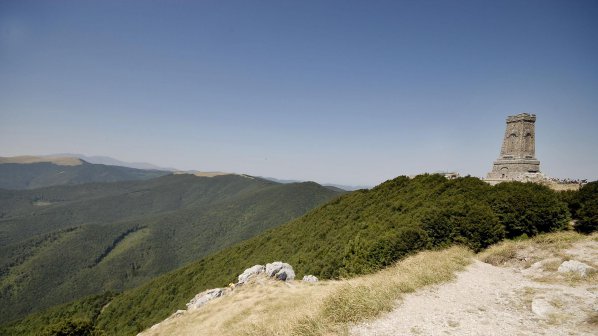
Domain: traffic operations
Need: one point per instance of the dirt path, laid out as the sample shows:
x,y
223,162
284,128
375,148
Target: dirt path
x,y
490,300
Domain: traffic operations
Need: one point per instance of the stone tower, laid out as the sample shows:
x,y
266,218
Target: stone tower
x,y
517,158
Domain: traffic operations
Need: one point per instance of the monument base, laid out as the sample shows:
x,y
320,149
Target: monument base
x,y
513,169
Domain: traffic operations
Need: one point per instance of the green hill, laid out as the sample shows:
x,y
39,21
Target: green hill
x,y
358,233
58,244
64,171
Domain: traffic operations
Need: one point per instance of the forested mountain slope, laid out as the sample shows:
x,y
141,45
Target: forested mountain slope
x,y
60,243
358,233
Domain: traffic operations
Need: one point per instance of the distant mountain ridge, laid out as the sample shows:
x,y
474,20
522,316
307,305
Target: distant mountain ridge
x,y
30,172
106,160
28,159
61,158
332,185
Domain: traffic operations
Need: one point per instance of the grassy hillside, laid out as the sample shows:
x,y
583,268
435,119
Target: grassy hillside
x,y
90,238
44,174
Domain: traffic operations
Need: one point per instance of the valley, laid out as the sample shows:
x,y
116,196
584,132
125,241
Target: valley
x,y
58,244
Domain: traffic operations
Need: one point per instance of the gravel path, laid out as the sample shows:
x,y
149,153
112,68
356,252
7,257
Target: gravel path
x,y
488,300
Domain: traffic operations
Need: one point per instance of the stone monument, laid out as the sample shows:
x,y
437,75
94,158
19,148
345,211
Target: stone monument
x,y
517,160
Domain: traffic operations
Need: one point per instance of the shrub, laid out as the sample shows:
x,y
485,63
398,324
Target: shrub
x,y
365,256
587,221
396,246
468,223
528,208
584,208
71,328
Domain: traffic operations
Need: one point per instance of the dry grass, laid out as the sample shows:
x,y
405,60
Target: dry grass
x,y
569,279
62,161
369,296
557,318
526,252
501,253
323,308
528,295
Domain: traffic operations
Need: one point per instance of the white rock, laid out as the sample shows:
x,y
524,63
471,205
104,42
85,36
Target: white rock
x,y
542,308
178,313
576,267
280,271
310,278
203,297
250,273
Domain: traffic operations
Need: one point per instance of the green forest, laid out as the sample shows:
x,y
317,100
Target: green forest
x,y
357,233
62,243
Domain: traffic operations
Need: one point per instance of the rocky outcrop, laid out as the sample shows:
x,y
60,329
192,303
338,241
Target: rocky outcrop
x,y
574,266
309,278
203,297
277,270
250,273
280,271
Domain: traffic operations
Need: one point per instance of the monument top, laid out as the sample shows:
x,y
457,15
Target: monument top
x,y
521,117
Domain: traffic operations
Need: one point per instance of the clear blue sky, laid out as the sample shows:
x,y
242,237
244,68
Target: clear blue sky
x,y
351,92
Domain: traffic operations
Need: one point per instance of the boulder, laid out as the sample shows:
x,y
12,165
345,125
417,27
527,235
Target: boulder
x,y
203,297
280,271
542,308
310,278
250,273
574,266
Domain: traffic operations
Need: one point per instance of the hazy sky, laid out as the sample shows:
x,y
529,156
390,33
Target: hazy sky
x,y
352,92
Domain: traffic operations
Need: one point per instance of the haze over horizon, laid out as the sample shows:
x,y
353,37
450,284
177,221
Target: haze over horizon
x,y
344,92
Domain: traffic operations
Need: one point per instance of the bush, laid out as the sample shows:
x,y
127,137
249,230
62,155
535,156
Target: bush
x,y
366,256
584,208
396,246
528,208
587,221
71,328
469,223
